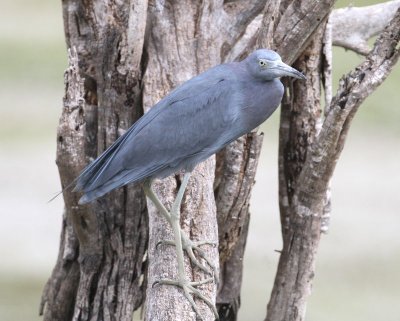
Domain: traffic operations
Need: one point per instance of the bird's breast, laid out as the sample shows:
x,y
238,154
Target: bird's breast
x,y
261,99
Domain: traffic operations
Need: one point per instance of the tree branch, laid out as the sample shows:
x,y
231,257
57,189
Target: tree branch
x,y
70,161
297,24
242,12
300,109
354,26
232,193
102,244
228,296
353,89
179,47
303,202
239,16
287,27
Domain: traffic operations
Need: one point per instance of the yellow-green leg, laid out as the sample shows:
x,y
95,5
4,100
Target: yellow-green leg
x,y
181,242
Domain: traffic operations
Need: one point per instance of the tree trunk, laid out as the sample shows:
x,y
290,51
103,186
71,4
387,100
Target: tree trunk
x,y
300,111
100,268
310,145
126,56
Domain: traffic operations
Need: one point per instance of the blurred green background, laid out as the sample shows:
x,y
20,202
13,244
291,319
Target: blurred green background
x,y
358,268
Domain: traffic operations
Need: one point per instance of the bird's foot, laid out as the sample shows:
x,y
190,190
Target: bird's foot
x,y
194,246
190,288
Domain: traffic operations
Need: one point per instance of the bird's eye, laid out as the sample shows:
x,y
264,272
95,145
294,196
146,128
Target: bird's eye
x,y
262,63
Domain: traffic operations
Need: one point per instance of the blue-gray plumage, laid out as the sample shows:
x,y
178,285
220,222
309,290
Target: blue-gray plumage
x,y
193,122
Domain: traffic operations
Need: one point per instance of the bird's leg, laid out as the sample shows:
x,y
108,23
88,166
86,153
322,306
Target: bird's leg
x,y
160,206
187,244
174,219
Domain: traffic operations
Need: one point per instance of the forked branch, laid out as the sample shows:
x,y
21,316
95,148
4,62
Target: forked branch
x,y
354,26
304,198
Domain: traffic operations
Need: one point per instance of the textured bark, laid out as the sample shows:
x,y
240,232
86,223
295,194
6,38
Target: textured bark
x,y
173,57
354,26
128,56
287,27
186,38
307,160
100,268
300,111
109,238
238,165
231,247
60,291
166,302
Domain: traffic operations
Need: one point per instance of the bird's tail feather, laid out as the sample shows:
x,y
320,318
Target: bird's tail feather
x,y
119,180
62,191
92,172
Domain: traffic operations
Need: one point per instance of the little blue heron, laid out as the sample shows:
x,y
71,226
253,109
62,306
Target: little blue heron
x,y
193,122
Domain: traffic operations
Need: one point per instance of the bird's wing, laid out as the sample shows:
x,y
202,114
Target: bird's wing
x,y
195,117
97,167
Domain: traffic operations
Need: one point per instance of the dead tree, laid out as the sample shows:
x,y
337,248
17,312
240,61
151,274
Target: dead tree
x,y
124,57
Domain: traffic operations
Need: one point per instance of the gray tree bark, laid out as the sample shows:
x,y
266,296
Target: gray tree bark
x,y
101,257
127,56
308,154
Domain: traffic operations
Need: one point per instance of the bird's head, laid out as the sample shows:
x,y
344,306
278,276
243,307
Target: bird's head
x,y
267,64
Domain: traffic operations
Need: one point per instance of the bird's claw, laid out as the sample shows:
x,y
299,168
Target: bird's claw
x,y
189,288
190,247
164,242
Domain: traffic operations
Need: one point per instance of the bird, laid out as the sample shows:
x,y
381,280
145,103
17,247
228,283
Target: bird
x,y
190,124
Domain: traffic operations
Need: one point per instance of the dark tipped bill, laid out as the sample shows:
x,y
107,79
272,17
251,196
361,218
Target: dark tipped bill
x,y
286,70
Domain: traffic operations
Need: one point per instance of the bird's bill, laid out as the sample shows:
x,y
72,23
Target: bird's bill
x,y
286,70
